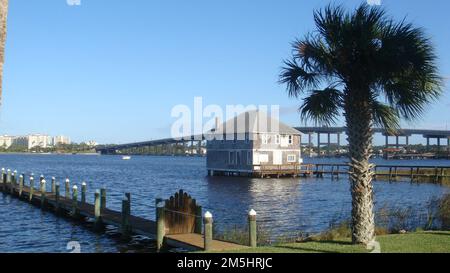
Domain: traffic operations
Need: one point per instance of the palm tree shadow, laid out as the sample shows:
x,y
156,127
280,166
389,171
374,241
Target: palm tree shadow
x,y
313,249
306,249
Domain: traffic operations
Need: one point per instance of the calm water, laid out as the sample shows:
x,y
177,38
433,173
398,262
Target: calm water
x,y
283,205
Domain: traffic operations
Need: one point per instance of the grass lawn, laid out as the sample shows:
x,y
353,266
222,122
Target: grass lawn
x,y
418,242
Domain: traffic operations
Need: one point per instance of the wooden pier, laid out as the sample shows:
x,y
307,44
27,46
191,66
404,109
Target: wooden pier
x,y
178,222
434,174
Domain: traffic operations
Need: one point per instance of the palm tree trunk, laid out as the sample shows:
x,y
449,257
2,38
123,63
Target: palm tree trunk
x,y
3,17
360,135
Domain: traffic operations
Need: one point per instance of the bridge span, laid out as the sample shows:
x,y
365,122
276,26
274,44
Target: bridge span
x,y
196,143
438,135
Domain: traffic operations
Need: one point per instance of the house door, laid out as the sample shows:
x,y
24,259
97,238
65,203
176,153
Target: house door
x,y
277,158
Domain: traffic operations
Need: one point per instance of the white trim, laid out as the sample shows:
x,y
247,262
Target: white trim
x,y
272,150
231,170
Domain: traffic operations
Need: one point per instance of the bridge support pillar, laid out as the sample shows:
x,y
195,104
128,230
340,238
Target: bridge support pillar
x,y
310,146
329,144
439,144
318,144
338,143
397,143
428,144
386,141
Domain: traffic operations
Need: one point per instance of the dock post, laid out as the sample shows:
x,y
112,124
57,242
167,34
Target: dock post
x,y
3,179
8,176
53,185
42,187
74,201
20,185
67,184
31,188
157,201
198,220
14,180
160,226
98,225
208,222
13,183
103,198
125,227
252,228
83,192
57,190
436,175
128,197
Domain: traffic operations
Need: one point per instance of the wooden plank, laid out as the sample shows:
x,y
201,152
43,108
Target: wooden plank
x,y
196,241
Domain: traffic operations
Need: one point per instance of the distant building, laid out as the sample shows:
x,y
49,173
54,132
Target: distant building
x,y
91,143
38,140
60,140
6,141
21,141
250,149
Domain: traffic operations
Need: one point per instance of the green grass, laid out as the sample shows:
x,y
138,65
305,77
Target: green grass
x,y
418,242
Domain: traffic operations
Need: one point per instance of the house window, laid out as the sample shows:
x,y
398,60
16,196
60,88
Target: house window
x,y
264,138
277,139
291,158
232,158
263,158
290,141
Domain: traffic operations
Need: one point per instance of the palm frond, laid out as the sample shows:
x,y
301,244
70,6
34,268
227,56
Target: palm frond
x,y
322,106
314,55
385,117
297,79
329,22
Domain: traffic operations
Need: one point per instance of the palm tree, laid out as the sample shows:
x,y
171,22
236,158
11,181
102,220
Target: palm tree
x,y
374,71
3,16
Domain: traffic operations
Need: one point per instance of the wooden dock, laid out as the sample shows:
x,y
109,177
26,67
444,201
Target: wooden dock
x,y
434,174
175,225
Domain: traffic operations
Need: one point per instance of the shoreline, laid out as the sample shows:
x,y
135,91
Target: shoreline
x,y
30,153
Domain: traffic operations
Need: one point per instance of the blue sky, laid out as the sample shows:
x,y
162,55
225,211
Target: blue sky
x,y
112,70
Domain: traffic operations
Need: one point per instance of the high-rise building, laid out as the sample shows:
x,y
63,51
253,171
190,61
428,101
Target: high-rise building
x,y
60,140
38,140
6,141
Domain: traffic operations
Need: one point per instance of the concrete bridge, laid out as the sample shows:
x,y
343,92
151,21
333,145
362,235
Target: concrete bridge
x,y
401,133
197,142
192,143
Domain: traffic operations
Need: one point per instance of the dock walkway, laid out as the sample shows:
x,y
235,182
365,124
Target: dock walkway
x,y
81,211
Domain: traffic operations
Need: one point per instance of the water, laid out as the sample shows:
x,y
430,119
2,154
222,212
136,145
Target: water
x,y
283,205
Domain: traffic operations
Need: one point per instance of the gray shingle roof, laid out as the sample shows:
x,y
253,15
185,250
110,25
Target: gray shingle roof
x,y
256,122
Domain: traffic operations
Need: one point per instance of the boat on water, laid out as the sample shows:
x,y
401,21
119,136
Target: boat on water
x,y
126,157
